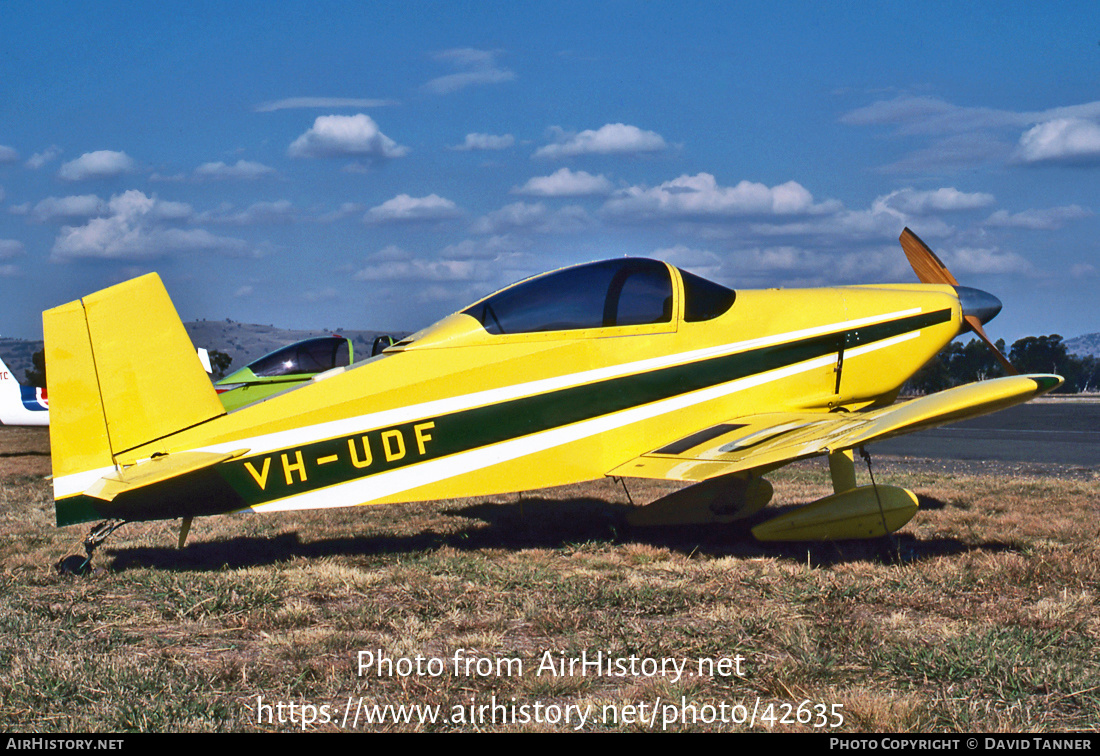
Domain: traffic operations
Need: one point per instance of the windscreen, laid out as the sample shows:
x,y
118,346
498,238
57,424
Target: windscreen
x,y
627,291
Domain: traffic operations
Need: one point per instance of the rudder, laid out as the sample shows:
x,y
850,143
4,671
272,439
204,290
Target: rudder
x,y
122,372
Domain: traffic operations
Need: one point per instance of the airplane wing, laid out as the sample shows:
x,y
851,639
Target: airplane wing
x,y
771,440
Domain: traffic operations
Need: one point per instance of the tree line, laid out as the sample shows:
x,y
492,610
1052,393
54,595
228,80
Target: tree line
x,y
974,361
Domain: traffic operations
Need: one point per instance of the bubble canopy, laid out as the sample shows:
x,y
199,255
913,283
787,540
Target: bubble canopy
x,y
620,292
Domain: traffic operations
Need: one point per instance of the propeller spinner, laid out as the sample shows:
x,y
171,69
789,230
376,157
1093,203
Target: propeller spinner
x,y
979,307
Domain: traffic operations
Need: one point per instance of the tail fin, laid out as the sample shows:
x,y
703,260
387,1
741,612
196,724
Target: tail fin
x,y
122,373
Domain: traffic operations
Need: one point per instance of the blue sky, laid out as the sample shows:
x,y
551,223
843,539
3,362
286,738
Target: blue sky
x,y
380,165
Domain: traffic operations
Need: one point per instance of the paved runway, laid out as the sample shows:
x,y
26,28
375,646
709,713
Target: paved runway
x,y
1058,431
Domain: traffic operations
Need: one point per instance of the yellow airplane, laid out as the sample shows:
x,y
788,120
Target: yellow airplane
x,y
627,367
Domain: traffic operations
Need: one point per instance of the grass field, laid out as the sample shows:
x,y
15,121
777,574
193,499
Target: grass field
x,y
980,615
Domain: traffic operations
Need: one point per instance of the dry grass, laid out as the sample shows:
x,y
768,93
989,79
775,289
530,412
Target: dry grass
x,y
981,615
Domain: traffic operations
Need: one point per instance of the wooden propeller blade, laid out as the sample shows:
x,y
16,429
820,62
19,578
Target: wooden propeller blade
x,y
928,267
976,327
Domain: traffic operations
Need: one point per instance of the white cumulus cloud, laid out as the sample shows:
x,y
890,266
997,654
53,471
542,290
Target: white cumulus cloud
x,y
99,164
947,199
701,196
75,206
1062,140
983,261
346,136
134,227
8,154
404,208
565,183
610,139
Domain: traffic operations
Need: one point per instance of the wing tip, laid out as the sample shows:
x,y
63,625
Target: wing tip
x,y
1047,383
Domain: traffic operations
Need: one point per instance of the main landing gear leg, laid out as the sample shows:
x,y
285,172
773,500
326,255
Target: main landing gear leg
x,y
78,565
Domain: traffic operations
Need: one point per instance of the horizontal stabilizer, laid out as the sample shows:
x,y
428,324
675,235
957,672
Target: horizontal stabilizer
x,y
155,470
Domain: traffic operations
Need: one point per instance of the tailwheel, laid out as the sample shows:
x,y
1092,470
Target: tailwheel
x,y
74,564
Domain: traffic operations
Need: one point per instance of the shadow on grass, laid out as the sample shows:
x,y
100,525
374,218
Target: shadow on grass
x,y
540,523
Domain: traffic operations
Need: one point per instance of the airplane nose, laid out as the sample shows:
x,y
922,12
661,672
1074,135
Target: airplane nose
x,y
981,304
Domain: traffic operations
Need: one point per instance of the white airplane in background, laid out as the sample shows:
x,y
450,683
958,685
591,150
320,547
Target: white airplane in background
x,y
29,405
21,405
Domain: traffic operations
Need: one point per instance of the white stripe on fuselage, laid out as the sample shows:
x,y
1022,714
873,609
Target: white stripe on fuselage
x,y
381,485
78,482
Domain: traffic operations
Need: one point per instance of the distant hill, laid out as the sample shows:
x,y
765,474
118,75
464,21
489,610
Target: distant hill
x,y
1089,344
243,342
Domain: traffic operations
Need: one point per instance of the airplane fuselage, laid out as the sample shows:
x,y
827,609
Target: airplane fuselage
x,y
458,411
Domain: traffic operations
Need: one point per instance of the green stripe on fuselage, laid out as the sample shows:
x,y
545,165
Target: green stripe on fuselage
x,y
293,470
308,467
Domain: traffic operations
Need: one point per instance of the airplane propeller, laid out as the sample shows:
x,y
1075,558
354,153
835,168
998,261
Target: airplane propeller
x,y
979,307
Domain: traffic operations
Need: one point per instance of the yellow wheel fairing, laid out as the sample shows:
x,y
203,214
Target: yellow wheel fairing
x,y
864,512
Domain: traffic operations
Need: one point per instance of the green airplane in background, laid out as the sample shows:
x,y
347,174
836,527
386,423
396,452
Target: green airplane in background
x,y
288,367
